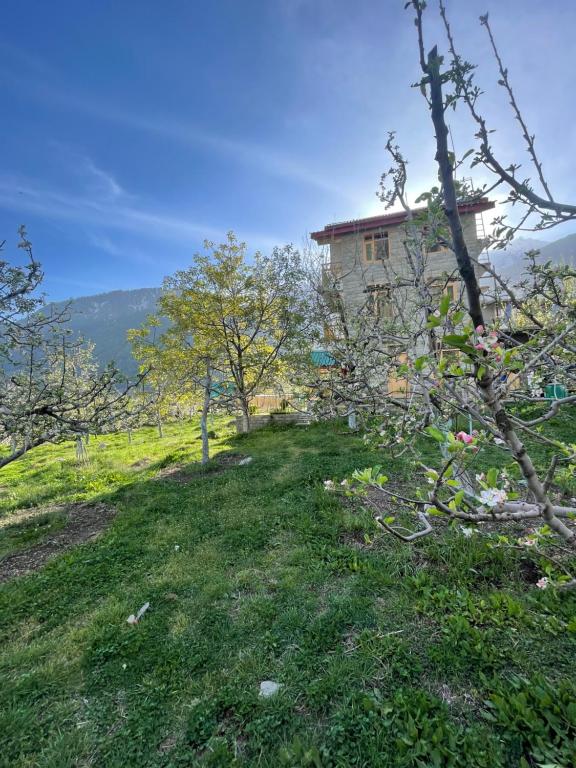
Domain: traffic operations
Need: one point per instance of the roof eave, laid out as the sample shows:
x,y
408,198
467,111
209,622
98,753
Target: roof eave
x,y
331,231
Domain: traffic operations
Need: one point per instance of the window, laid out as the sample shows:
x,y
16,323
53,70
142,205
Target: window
x,y
434,241
380,301
436,247
439,288
376,247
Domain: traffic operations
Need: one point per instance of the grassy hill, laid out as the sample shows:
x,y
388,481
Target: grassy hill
x,y
442,653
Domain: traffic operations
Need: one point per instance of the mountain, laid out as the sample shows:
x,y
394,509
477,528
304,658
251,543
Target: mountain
x,y
106,318
561,251
510,262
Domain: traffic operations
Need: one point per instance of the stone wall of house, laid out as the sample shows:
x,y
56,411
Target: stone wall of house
x,y
354,274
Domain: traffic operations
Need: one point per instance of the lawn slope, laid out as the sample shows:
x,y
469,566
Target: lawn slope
x,y
442,653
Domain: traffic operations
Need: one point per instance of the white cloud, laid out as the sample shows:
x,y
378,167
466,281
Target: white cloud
x,y
105,244
32,197
95,180
120,251
265,159
104,181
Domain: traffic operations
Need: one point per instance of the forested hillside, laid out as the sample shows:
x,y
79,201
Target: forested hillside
x,y
106,318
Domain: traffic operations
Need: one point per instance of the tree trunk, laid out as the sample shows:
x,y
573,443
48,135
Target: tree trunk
x,y
484,380
159,424
81,452
25,448
245,416
205,412
465,265
352,419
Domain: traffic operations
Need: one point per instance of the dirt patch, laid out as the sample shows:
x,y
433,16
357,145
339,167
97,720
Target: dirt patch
x,y
355,539
178,474
230,458
529,571
461,702
385,504
141,463
23,515
83,523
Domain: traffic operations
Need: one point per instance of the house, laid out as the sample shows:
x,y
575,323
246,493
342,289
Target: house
x,y
368,269
367,256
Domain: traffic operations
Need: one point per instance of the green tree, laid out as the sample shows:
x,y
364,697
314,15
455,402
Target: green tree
x,y
246,320
181,372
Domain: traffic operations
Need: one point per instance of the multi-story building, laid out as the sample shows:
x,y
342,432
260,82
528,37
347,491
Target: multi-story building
x,y
368,267
367,257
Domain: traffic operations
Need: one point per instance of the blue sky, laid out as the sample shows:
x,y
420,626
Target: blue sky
x,y
133,130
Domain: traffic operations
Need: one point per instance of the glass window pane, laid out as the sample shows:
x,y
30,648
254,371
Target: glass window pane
x,y
381,248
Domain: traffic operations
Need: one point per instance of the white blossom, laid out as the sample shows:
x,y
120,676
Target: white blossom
x,y
491,497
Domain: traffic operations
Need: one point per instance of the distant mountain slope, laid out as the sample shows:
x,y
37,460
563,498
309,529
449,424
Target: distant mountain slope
x,y
561,251
106,318
511,263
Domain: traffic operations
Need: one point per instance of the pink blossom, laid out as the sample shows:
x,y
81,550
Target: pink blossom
x,y
480,329
487,343
464,437
543,582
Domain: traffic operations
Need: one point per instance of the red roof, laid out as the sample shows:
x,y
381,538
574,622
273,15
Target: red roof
x,y
331,231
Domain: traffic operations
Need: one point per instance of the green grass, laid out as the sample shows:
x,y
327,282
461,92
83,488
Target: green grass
x,y
440,653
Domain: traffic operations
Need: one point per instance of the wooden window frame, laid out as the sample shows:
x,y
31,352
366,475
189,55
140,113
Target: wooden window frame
x,y
369,246
453,287
375,296
436,247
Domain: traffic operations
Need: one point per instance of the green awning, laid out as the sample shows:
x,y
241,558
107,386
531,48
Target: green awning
x,y
323,359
